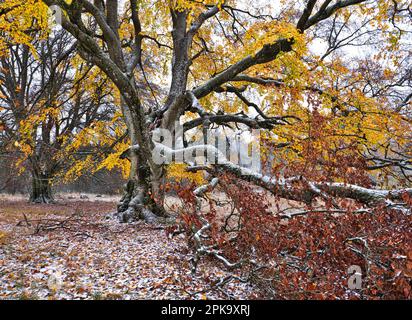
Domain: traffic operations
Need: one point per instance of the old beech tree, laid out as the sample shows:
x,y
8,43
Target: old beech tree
x,y
213,63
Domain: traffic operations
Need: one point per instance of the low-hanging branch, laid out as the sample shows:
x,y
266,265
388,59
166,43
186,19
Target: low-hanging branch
x,y
288,188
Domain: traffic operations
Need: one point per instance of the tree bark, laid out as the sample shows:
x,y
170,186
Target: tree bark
x,y
143,196
41,189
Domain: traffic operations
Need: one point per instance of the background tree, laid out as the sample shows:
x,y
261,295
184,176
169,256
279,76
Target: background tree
x,y
48,98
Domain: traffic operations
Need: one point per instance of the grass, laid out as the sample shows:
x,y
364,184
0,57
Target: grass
x,y
13,209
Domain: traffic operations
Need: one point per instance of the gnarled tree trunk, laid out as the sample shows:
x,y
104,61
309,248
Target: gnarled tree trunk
x,y
142,199
143,196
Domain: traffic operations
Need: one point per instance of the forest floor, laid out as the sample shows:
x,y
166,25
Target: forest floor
x,y
70,250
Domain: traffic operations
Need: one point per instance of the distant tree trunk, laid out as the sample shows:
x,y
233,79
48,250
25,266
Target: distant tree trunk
x,y
41,189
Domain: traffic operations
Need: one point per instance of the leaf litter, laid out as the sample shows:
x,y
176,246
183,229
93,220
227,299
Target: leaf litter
x,y
77,253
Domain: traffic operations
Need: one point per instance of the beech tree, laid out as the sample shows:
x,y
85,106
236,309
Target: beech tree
x,y
218,54
48,99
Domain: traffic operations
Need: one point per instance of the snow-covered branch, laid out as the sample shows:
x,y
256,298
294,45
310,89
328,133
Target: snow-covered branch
x,y
289,188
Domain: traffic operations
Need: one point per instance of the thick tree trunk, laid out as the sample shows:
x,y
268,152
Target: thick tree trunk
x,y
140,200
41,189
143,196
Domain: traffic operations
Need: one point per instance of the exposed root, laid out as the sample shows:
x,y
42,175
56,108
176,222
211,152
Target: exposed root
x,y
140,208
43,199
